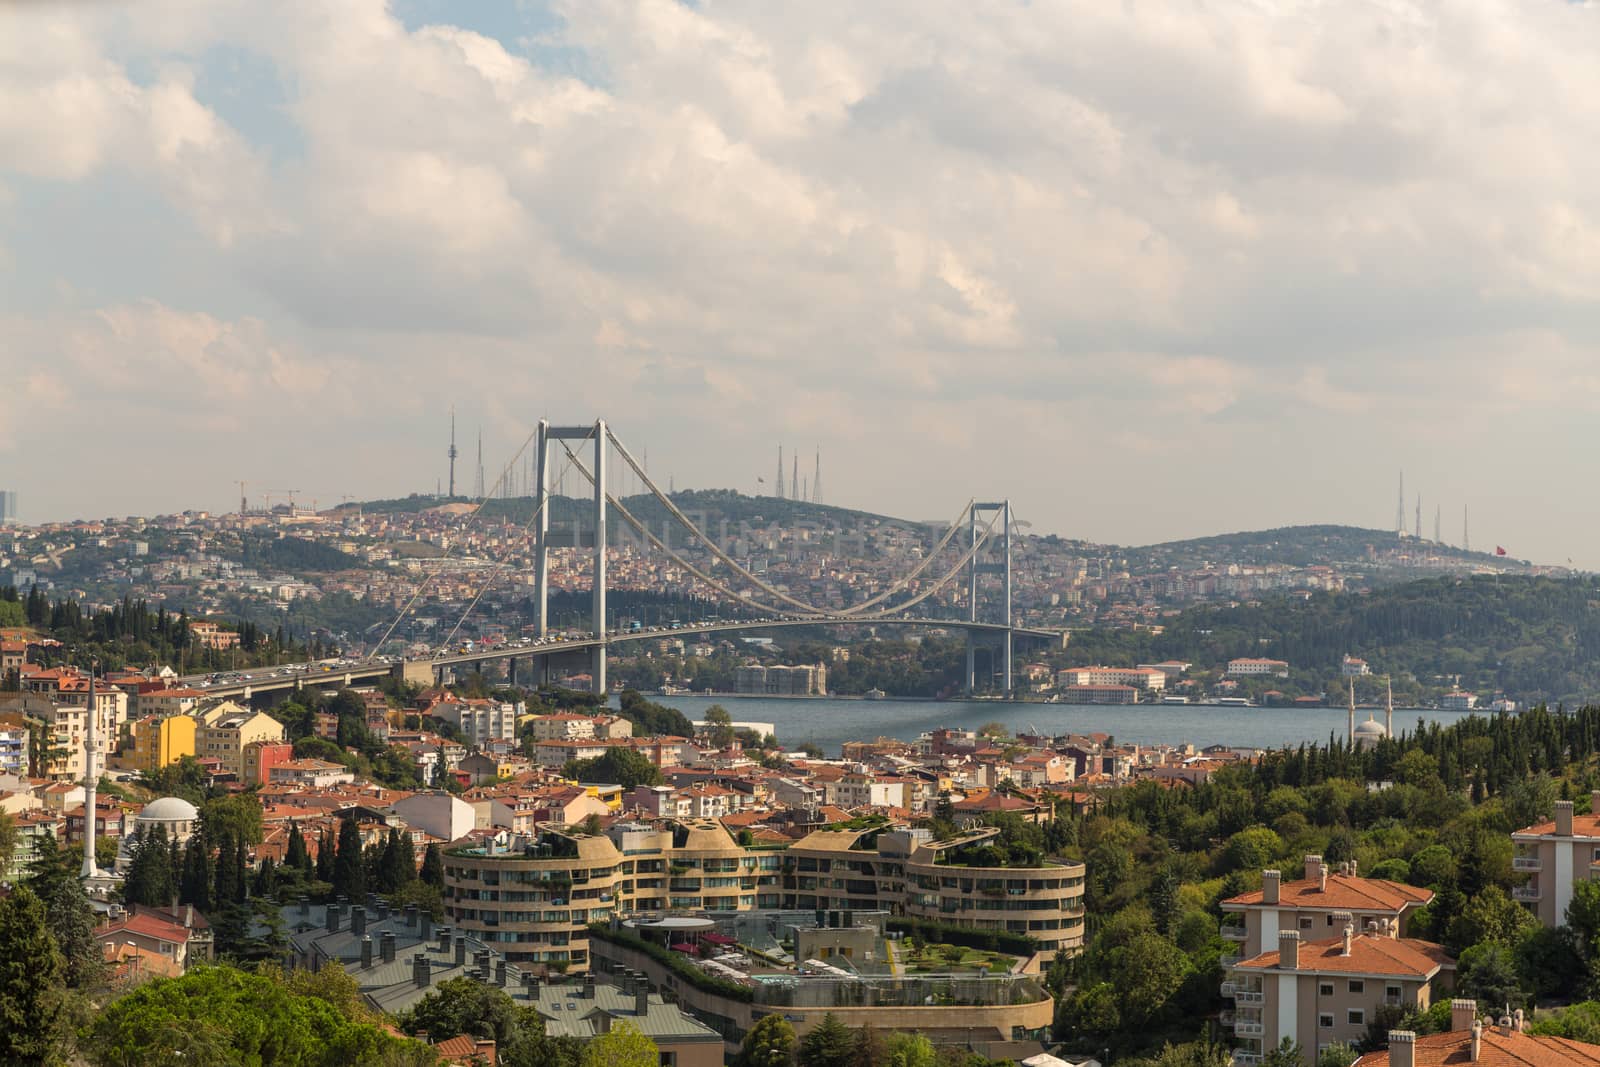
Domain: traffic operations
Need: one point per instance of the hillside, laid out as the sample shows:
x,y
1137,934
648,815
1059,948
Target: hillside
x,y
1299,546
1535,638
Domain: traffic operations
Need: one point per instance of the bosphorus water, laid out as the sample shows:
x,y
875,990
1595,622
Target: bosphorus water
x,y
829,723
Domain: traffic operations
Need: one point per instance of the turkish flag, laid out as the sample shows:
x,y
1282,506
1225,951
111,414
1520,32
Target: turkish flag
x,y
1499,551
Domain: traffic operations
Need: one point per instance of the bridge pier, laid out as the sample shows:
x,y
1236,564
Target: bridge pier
x,y
511,671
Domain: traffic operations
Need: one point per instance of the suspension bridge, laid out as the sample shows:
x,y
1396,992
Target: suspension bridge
x,y
979,539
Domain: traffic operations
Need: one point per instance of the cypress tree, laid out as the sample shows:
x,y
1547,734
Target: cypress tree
x,y
433,867
325,857
195,885
151,880
32,980
349,865
225,887
53,878
296,855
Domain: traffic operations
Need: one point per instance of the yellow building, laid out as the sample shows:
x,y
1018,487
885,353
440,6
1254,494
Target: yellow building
x,y
161,743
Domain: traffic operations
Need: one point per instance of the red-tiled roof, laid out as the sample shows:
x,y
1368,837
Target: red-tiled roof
x,y
1345,892
1369,954
1496,1049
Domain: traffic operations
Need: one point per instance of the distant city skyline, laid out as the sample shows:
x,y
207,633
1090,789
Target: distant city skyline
x,y
1149,274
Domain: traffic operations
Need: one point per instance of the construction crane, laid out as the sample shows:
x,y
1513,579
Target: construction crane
x,y
281,492
244,502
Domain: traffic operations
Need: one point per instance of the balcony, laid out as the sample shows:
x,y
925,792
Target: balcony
x,y
1527,863
1252,997
1527,893
1229,961
1234,932
1226,1018
1241,1058
1230,988
1241,1028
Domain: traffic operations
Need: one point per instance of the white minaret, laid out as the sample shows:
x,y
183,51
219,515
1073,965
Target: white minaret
x,y
1351,735
91,778
1388,709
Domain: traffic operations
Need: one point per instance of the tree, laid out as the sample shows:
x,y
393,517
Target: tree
x,y
623,766
349,865
296,856
223,1015
32,983
829,1044
150,879
465,1006
53,878
719,725
909,1050
624,1045
8,841
237,815
1337,1054
433,867
325,855
769,1043
1488,974
1287,1054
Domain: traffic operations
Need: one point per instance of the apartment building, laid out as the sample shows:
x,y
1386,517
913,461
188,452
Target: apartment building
x,y
1249,667
1554,855
1312,906
13,745
1148,678
782,681
479,721
158,743
1488,1042
227,729
535,897
1318,992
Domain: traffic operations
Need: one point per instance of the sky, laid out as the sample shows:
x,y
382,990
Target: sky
x,y
1150,270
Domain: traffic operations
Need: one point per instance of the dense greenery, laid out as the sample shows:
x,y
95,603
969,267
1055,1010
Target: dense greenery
x,y
674,962
1534,638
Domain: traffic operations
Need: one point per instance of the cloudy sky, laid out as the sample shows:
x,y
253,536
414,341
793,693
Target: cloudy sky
x,y
1151,269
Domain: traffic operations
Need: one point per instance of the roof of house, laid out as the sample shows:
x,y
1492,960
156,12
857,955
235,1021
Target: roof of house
x,y
1369,954
1497,1049
1344,892
1583,825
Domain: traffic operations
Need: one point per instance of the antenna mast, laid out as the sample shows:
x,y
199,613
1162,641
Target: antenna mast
x,y
452,453
816,479
780,472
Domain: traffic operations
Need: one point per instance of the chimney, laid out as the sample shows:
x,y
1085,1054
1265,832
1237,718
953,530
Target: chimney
x,y
500,972
188,916
641,997
1270,882
386,946
305,904
424,926
1517,1019
530,981
1314,869
1354,869
383,909
366,952
1349,938
410,915
588,987
358,920
1402,1048
1594,802
461,950
1563,818
480,960
1477,1039
1463,1013
444,939
1289,950
421,974
333,918
483,1049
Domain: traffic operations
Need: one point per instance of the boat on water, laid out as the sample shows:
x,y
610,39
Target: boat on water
x,y
875,694
1174,700
1234,702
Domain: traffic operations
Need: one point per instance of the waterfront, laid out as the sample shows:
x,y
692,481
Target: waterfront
x,y
829,723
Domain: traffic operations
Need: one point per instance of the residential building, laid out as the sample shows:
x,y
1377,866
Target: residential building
x,y
1317,993
1100,694
1487,1042
227,729
211,635
1459,701
261,756
309,773
13,745
1152,679
1247,667
1554,855
437,814
478,720
782,681
180,935
1311,906
158,743
1351,667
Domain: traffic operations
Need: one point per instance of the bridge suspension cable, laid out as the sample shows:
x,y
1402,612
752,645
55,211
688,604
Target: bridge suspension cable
x,y
726,590
422,587
501,566
716,550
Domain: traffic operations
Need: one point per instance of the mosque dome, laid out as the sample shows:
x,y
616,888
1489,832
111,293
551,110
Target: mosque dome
x,y
1370,733
169,810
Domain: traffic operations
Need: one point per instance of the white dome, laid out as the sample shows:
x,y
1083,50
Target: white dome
x,y
169,809
1371,728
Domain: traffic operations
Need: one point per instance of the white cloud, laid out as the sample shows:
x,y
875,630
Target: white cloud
x,y
884,225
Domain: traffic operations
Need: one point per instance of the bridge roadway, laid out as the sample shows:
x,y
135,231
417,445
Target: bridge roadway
x,y
248,683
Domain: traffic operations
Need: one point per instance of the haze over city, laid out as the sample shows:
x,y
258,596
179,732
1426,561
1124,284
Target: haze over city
x,y
1149,271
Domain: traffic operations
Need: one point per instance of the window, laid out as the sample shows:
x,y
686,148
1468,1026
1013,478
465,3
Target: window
x,y
1324,989
1357,986
669,1059
1325,1020
1391,994
1305,922
1356,1017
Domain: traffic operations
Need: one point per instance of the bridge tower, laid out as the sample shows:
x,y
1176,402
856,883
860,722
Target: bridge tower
x,y
996,563
547,434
